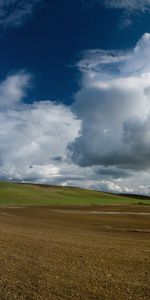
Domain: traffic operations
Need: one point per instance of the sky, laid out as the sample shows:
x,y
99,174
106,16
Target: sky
x,y
75,93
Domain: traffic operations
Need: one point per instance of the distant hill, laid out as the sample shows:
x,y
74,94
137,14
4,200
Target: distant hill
x,y
38,194
135,196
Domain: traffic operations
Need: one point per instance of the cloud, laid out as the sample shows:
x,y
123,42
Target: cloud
x,y
102,141
13,89
129,5
114,108
126,5
128,8
32,135
112,173
14,13
34,140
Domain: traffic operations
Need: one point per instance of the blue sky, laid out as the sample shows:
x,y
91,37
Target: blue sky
x,y
74,93
49,42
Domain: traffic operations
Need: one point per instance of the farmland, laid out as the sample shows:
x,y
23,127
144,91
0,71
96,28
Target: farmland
x,y
29,194
61,251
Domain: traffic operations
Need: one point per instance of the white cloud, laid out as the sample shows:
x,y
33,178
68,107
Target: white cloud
x,y
13,89
128,8
102,141
14,13
34,140
129,5
114,107
33,137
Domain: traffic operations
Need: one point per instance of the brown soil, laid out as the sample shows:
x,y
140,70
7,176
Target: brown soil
x,y
51,253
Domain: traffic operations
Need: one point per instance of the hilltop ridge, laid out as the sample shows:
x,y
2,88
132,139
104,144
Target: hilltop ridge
x,y
38,194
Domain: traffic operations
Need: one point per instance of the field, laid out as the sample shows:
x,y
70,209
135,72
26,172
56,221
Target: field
x,y
28,194
65,252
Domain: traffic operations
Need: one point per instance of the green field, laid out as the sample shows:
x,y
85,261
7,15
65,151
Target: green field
x,y
30,194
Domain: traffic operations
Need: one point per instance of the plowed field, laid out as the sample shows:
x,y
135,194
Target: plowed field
x,y
55,253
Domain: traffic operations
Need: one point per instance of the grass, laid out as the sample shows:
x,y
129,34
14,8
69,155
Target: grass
x,y
30,194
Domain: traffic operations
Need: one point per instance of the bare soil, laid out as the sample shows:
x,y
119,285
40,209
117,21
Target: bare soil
x,y
55,253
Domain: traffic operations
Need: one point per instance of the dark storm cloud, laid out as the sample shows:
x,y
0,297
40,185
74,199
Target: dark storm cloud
x,y
115,110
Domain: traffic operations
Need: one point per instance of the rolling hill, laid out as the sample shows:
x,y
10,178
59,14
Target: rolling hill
x,y
36,194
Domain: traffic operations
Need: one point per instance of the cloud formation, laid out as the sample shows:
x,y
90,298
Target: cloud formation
x,y
14,13
32,137
14,88
128,7
34,140
114,107
102,141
